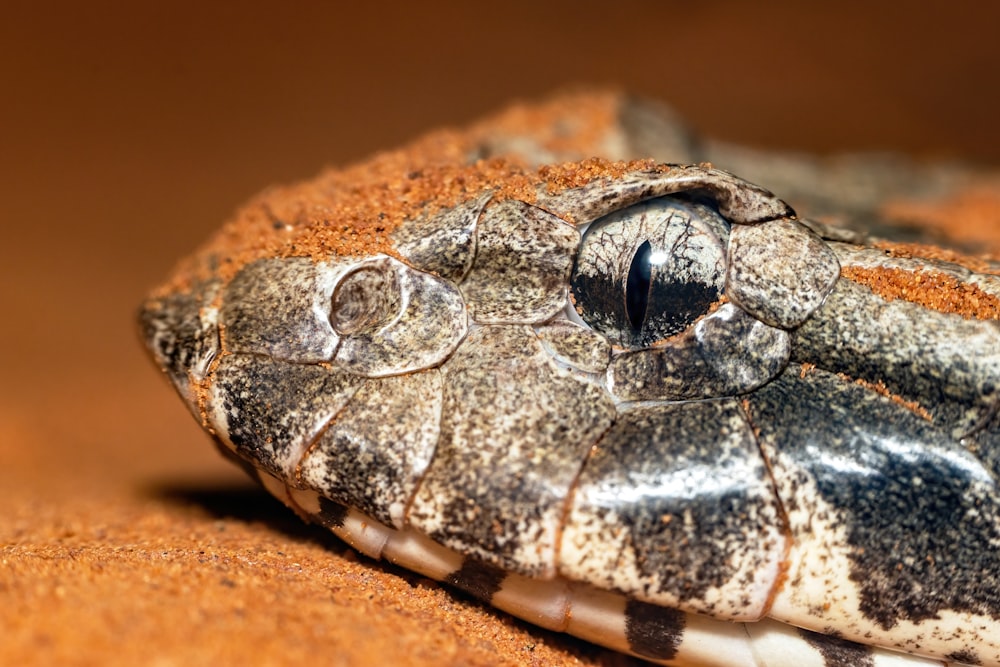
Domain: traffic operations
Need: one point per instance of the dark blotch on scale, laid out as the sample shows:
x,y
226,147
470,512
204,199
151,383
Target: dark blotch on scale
x,y
920,512
331,514
505,462
675,502
839,652
478,579
965,657
271,408
652,631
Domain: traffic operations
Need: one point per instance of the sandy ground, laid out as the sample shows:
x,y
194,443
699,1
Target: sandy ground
x,y
127,135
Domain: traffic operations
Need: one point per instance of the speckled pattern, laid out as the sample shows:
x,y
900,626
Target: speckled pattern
x,y
653,632
726,353
632,400
737,200
280,308
383,443
860,334
780,271
410,320
575,345
914,513
181,331
710,544
443,244
505,462
269,410
837,652
523,259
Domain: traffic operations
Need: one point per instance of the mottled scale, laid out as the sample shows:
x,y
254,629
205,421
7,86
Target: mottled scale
x,y
281,308
443,243
658,634
895,526
646,404
920,353
181,331
375,450
269,411
726,353
675,507
780,271
506,461
851,255
575,345
737,200
523,259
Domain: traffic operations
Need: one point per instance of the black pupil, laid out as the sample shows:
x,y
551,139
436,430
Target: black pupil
x,y
637,287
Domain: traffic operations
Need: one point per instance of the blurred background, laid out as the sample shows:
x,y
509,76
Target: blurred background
x,y
129,131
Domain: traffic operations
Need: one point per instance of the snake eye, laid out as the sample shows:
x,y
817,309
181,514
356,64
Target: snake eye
x,y
647,272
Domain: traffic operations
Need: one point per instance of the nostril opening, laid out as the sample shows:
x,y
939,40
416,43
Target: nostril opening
x,y
365,301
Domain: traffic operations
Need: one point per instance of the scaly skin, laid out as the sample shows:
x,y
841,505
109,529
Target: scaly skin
x,y
645,403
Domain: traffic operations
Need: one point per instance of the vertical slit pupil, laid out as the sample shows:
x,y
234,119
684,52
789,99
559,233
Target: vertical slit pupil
x,y
637,287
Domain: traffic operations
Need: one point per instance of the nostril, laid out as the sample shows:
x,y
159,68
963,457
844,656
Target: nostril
x,y
393,319
365,301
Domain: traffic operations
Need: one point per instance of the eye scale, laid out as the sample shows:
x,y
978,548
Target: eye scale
x,y
640,402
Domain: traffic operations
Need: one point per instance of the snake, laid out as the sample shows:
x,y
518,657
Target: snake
x,y
561,361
